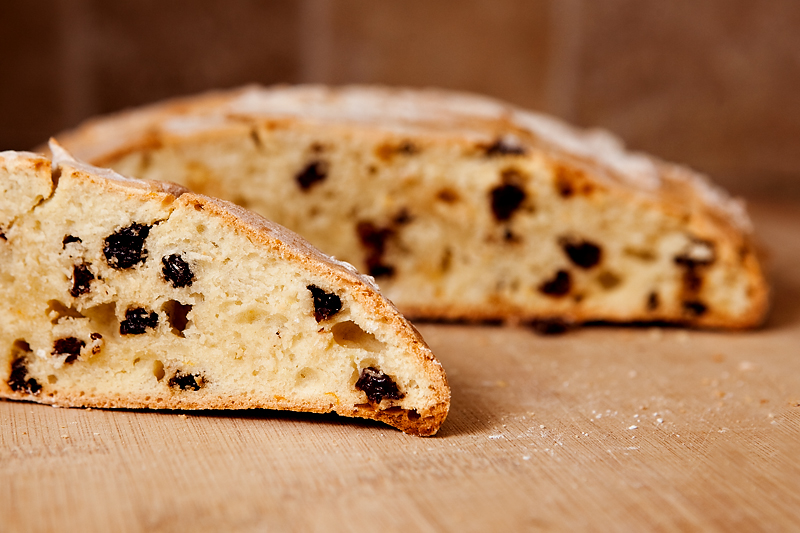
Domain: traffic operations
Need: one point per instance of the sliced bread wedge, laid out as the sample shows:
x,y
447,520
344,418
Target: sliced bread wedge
x,y
119,292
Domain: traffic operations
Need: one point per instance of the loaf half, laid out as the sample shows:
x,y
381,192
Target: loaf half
x,y
118,292
460,206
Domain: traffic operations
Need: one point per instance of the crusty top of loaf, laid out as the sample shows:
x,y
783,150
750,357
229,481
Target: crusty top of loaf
x,y
61,157
431,112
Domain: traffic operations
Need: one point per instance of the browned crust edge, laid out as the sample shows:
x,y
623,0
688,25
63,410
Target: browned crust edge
x,y
424,424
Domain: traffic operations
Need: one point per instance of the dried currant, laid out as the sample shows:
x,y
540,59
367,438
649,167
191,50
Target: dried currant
x,y
695,308
558,286
378,269
137,321
186,381
584,254
313,173
374,239
125,248
69,346
653,301
326,304
81,280
18,379
377,385
505,200
177,271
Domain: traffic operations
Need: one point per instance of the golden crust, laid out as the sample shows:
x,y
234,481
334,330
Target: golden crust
x,y
424,424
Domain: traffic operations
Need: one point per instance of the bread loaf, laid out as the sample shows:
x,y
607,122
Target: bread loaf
x,y
118,292
460,206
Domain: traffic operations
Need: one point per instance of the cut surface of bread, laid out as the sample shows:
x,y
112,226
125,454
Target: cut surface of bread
x,y
125,293
462,207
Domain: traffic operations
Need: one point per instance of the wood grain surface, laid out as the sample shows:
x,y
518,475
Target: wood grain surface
x,y
600,429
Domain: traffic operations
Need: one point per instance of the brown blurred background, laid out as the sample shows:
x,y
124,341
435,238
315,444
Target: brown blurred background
x,y
711,83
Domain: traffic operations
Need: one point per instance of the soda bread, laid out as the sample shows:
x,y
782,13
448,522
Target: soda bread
x,y
119,292
461,206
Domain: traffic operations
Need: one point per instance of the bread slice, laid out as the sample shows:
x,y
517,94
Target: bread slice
x,y
138,294
462,207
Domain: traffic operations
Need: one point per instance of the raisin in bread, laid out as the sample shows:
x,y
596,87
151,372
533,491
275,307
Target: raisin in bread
x,y
124,293
463,207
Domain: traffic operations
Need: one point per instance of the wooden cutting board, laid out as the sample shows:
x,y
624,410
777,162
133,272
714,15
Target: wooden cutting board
x,y
601,429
